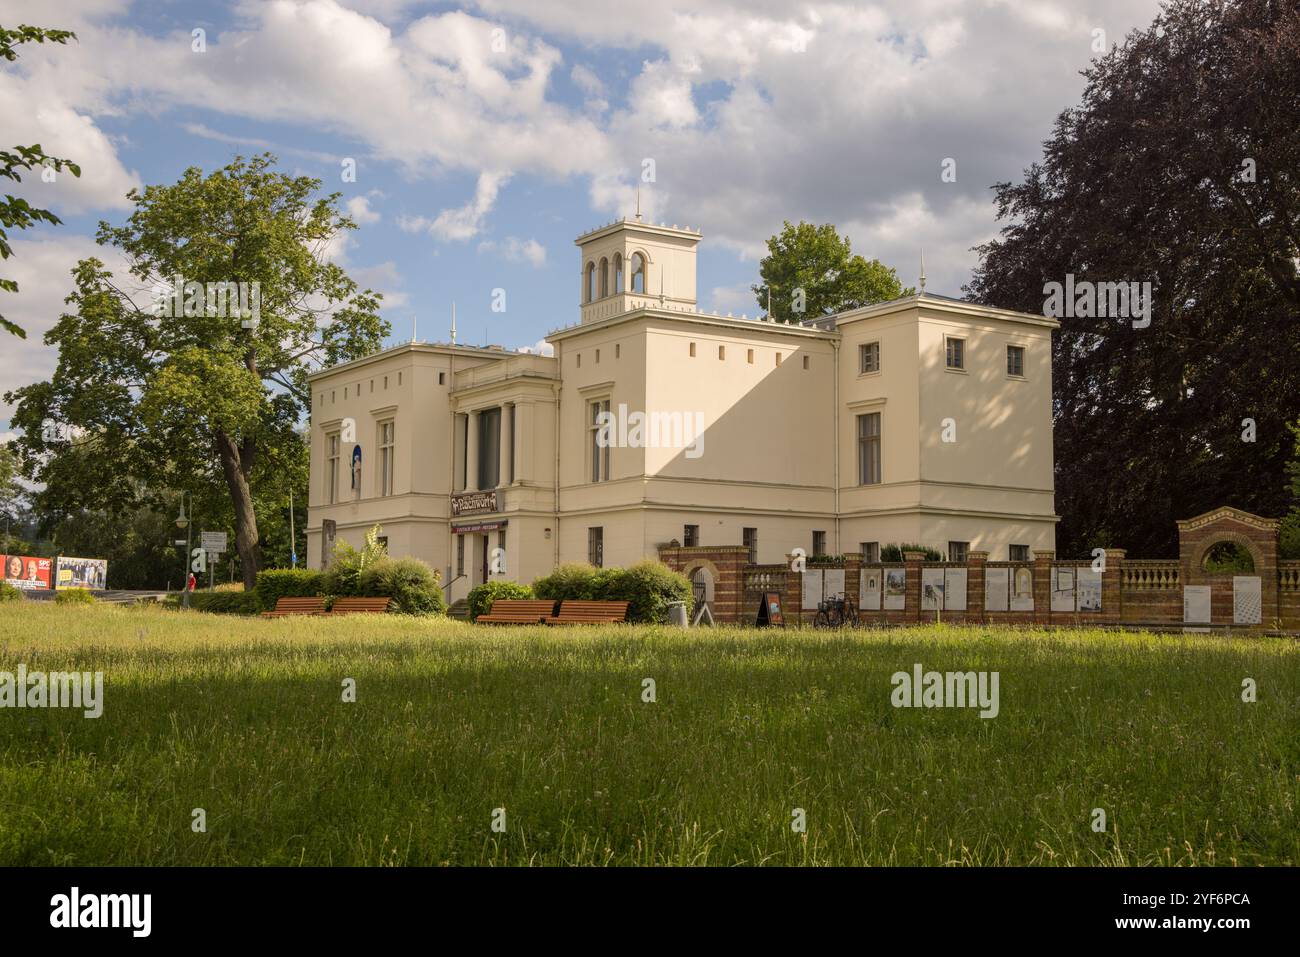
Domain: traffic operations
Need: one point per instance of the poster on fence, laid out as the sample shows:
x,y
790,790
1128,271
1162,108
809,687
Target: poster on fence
x,y
869,589
997,583
1062,589
931,589
81,572
1196,604
895,588
24,571
954,589
1089,589
1247,604
1022,590
812,588
833,584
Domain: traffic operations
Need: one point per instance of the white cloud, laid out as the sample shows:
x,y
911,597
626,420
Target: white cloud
x,y
358,208
514,249
541,347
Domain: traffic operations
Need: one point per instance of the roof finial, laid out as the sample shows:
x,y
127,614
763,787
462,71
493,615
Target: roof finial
x,y
769,302
415,328
638,204
923,270
453,323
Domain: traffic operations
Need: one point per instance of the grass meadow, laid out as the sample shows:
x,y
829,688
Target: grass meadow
x,y
245,719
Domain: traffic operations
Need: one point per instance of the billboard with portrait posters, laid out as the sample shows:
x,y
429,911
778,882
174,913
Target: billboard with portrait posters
x,y
81,572
23,571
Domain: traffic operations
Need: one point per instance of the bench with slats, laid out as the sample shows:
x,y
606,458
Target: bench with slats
x,y
516,611
285,607
589,613
359,606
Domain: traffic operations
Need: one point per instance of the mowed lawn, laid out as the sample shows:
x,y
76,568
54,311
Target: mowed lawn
x,y
245,719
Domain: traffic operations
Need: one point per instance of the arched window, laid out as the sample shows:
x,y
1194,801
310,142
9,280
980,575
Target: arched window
x,y
589,285
604,278
618,272
638,273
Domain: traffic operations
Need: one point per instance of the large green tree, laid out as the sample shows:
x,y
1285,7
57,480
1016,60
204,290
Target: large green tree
x,y
811,271
18,213
150,395
1181,167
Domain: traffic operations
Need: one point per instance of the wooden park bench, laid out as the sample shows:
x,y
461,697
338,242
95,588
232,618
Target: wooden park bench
x,y
514,611
360,606
589,613
296,606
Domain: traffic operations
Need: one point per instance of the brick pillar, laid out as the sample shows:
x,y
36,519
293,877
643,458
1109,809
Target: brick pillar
x,y
975,566
1112,586
913,562
1043,587
852,578
792,600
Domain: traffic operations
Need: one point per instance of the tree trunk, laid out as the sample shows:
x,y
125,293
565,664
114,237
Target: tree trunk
x,y
236,463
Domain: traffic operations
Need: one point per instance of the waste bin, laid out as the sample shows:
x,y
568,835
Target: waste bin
x,y
677,613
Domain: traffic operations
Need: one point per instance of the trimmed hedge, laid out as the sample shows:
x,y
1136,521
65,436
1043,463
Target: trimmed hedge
x,y
482,596
410,583
648,587
227,602
894,553
276,583
73,596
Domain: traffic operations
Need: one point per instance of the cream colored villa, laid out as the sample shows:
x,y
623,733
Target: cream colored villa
x,y
925,419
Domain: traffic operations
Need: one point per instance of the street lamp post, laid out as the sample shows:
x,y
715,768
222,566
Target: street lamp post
x,y
183,522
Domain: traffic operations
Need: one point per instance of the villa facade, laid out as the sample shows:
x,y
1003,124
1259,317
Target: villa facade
x,y
922,420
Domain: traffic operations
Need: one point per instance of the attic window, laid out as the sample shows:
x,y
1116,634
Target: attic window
x,y
750,357
692,350
805,362
722,352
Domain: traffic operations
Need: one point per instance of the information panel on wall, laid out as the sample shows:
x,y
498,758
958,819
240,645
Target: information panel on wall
x,y
895,588
1247,600
997,585
870,582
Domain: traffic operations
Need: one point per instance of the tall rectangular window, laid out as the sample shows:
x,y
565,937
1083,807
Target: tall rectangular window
x,y
819,543
955,353
386,452
869,449
460,556
596,546
691,536
332,468
511,441
870,553
489,449
1016,360
599,441
958,551
749,538
869,357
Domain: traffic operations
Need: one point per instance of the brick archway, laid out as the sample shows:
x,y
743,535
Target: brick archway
x,y
711,583
1202,548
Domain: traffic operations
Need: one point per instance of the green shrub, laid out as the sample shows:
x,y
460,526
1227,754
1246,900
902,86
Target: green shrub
x,y
10,592
894,553
276,583
228,602
410,583
482,596
572,581
343,577
648,587
73,596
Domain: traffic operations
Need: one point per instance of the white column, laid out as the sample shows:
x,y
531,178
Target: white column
x,y
471,453
504,442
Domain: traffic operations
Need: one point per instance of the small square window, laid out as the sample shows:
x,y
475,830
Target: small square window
x,y
1018,553
870,553
869,358
819,543
691,535
958,551
1016,361
955,353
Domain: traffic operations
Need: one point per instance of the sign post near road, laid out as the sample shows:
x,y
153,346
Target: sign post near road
x,y
214,543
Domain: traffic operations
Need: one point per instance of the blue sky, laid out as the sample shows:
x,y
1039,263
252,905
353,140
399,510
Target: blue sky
x,y
489,135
